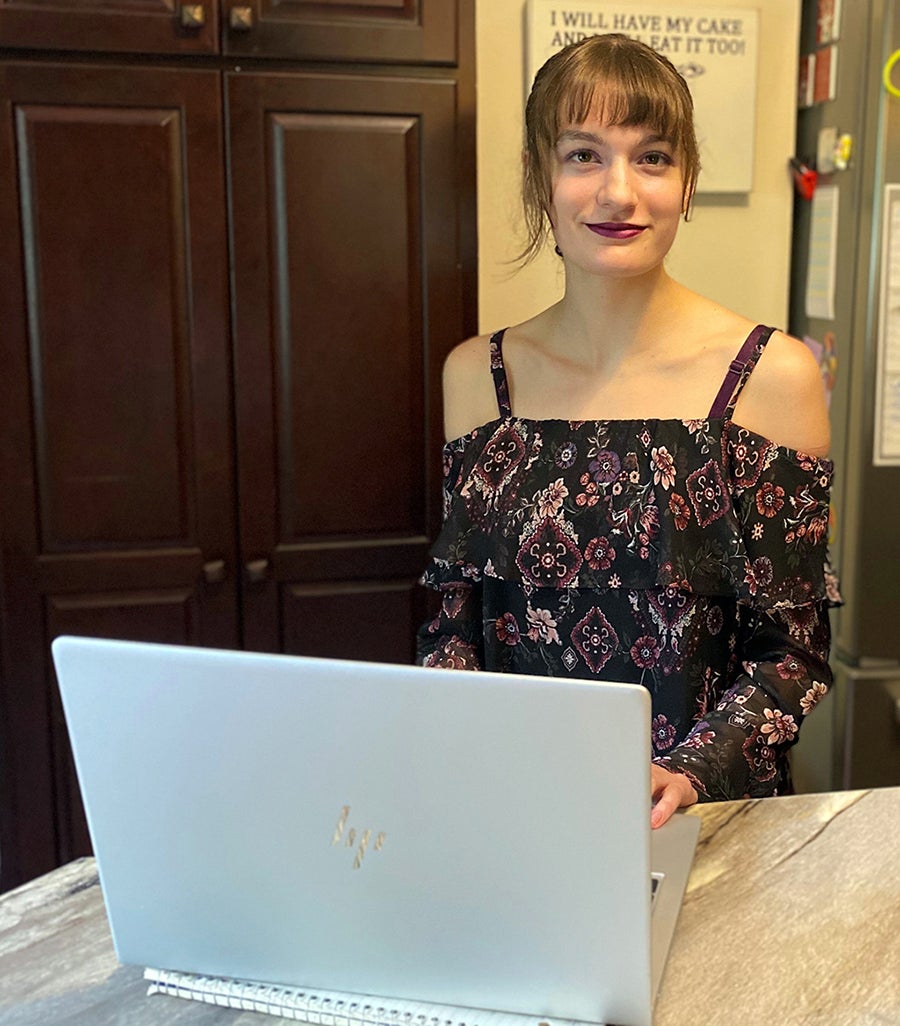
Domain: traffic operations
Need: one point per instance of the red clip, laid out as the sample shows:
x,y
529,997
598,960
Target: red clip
x,y
805,178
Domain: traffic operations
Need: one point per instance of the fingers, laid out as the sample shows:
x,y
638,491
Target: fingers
x,y
667,803
670,792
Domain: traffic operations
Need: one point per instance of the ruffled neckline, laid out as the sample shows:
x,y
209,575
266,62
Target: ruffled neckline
x,y
701,506
455,445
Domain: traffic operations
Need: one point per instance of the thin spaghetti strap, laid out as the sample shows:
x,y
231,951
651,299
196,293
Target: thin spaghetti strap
x,y
739,371
498,371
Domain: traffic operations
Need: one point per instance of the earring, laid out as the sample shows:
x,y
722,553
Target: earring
x,y
557,251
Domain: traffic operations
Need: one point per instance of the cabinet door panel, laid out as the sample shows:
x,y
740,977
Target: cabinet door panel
x,y
115,413
168,617
139,26
397,31
110,419
349,394
337,366
363,620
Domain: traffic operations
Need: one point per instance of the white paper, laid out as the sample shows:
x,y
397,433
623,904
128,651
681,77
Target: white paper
x,y
820,272
887,389
825,147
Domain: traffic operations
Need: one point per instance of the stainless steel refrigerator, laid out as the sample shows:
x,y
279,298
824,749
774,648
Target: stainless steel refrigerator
x,y
853,739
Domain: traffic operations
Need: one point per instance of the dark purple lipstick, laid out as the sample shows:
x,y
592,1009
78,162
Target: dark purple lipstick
x,y
616,229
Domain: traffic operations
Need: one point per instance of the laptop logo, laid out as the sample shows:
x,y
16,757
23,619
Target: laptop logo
x,y
350,840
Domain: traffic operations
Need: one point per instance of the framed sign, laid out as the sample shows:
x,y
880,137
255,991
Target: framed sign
x,y
714,48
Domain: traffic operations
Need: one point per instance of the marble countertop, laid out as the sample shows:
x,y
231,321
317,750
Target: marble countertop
x,y
791,918
792,915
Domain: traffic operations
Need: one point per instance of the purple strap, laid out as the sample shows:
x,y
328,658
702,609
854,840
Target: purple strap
x,y
499,374
739,371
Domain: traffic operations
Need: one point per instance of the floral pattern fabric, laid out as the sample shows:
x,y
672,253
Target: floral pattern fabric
x,y
687,556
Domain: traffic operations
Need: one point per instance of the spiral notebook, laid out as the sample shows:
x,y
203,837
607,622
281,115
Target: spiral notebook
x,y
346,843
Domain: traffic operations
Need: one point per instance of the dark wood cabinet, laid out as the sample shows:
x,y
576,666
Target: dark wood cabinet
x,y
110,26
383,31
402,31
225,298
116,470
336,435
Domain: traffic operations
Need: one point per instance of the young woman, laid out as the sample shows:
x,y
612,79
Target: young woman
x,y
636,479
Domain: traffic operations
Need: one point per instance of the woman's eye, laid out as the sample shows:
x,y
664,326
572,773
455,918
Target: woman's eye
x,y
581,157
657,159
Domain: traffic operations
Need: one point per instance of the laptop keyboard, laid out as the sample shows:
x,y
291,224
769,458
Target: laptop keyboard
x,y
655,880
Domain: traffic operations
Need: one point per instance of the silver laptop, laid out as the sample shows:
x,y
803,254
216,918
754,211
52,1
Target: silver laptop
x,y
475,840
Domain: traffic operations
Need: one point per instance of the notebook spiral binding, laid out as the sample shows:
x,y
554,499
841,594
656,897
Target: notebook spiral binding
x,y
327,1008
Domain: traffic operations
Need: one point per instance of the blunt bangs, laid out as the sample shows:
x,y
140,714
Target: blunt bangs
x,y
621,105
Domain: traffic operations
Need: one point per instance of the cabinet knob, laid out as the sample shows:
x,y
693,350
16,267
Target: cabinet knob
x,y
241,19
193,15
257,570
214,571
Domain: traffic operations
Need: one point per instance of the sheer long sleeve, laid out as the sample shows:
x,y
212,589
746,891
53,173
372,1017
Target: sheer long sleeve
x,y
740,747
454,638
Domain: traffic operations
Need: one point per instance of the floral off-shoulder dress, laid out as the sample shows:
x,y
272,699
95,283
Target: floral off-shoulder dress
x,y
687,556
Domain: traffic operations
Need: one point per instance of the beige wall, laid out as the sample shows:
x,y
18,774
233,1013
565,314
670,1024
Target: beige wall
x,y
735,250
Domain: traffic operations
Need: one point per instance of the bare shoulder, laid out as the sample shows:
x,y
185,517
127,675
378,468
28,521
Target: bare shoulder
x,y
470,399
784,399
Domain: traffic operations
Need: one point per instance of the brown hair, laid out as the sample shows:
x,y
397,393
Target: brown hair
x,y
625,83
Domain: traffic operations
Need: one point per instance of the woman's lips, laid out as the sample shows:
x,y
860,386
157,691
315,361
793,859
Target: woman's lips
x,y
616,230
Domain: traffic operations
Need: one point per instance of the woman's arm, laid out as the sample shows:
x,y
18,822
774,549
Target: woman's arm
x,y
453,639
784,398
468,388
739,749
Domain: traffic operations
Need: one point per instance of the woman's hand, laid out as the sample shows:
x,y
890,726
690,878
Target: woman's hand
x,y
669,791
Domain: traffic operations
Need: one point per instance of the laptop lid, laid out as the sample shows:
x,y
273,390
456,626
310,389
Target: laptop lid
x,y
473,839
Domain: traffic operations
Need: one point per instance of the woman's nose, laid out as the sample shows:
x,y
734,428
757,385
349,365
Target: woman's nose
x,y
617,189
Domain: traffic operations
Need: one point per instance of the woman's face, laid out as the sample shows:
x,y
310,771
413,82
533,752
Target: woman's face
x,y
617,196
